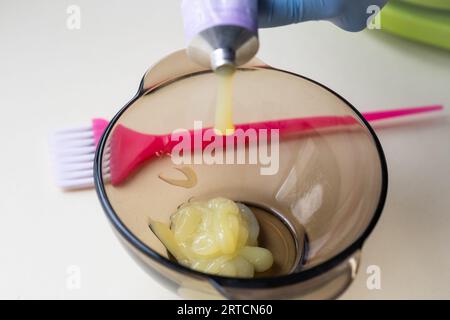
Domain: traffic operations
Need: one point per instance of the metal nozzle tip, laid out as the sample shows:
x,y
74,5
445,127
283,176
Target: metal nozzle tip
x,y
223,57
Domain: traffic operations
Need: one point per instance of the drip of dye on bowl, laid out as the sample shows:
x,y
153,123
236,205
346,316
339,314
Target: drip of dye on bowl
x,y
190,180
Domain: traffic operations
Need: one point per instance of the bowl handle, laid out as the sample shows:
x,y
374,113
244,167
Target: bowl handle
x,y
177,65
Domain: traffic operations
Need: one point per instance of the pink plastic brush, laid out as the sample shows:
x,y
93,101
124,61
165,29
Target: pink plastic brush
x,y
74,148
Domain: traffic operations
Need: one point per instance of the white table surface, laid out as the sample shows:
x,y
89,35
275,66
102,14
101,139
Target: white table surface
x,y
51,77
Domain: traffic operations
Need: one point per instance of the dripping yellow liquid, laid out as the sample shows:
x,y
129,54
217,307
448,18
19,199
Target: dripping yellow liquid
x,y
224,105
217,236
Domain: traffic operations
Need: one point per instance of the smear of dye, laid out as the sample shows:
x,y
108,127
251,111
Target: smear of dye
x,y
190,180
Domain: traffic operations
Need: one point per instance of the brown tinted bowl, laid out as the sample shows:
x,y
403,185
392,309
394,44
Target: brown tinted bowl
x,y
327,195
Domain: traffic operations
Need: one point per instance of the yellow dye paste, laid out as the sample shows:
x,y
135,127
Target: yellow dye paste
x,y
217,236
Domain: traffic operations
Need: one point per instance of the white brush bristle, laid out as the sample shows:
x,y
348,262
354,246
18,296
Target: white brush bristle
x,y
73,152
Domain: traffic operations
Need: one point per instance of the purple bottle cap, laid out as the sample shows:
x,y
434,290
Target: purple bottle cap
x,y
200,15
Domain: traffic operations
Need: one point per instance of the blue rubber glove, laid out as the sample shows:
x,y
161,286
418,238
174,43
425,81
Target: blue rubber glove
x,y
350,15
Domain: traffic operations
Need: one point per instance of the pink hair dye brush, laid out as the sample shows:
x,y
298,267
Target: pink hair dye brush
x,y
74,148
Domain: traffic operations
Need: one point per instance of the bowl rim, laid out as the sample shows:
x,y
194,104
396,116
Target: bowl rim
x,y
229,282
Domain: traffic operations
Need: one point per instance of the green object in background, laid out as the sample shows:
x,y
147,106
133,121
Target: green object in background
x,y
426,25
436,4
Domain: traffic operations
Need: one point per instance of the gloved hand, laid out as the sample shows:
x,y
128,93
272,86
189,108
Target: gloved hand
x,y
350,15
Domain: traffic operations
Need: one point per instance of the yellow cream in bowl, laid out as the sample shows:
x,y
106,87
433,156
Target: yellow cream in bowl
x,y
217,236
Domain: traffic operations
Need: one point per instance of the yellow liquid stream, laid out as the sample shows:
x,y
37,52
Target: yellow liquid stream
x,y
217,236
224,108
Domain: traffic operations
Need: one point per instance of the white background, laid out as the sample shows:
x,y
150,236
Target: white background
x,y
51,77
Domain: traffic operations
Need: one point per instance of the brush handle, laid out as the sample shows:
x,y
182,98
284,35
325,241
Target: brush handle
x,y
201,138
99,125
129,149
396,113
